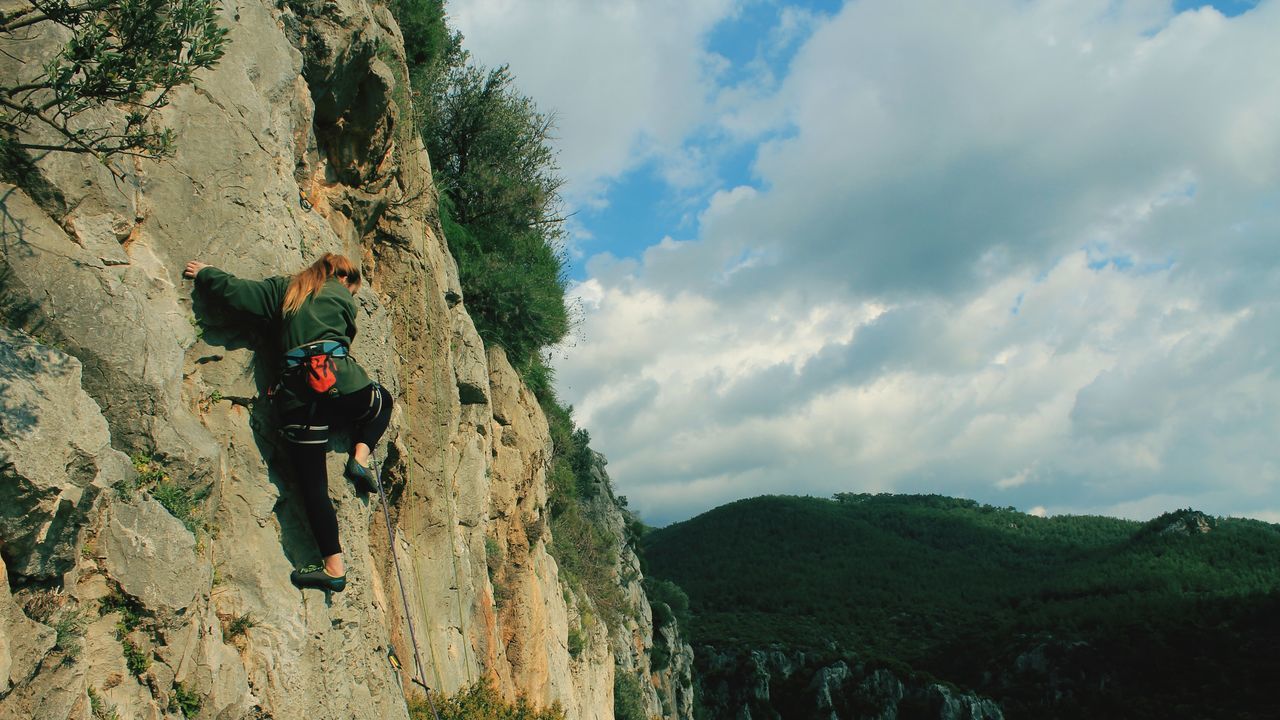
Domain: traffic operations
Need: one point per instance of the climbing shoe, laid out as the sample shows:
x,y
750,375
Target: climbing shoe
x,y
314,576
361,476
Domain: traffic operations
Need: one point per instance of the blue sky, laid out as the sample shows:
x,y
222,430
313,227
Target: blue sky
x,y
639,205
1017,251
1229,8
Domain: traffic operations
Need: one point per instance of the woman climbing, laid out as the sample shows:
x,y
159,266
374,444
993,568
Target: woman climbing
x,y
320,385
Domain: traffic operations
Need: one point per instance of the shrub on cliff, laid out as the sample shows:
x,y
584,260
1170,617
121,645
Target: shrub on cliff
x,y
513,284
126,54
481,702
492,160
628,698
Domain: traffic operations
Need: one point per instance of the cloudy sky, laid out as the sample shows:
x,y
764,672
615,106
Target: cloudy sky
x,y
1019,251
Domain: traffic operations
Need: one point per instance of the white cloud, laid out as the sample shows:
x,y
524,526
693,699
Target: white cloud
x,y
626,79
1017,479
777,395
927,138
1022,252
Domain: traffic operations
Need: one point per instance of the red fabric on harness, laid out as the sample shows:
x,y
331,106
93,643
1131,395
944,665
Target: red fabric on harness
x,y
321,373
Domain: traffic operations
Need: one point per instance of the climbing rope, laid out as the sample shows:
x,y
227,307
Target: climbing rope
x,y
404,597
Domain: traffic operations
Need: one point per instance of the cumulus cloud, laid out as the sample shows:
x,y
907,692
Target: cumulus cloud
x,y
627,80
1105,392
1017,251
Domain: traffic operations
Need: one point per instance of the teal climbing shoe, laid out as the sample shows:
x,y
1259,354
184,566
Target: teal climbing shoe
x,y
314,576
361,476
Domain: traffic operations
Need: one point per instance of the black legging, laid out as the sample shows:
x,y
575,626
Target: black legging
x,y
306,434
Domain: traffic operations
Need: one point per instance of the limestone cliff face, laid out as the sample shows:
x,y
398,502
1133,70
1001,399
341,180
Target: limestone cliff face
x,y
117,387
668,686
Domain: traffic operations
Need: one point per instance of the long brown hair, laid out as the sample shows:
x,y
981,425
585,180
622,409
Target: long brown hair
x,y
308,281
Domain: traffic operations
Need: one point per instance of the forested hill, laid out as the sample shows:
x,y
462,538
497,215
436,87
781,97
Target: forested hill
x,y
1184,606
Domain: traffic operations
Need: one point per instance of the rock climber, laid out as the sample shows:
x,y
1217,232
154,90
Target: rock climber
x,y
320,385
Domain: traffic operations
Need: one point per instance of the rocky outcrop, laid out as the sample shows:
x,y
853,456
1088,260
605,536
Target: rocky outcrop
x,y
55,457
790,684
658,655
150,521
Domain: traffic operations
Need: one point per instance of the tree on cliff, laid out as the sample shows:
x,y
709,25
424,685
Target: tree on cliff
x,y
123,54
492,159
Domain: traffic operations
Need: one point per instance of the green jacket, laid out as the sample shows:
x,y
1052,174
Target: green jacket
x,y
329,314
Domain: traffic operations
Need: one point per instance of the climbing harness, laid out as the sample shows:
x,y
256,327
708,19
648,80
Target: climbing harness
x,y
404,597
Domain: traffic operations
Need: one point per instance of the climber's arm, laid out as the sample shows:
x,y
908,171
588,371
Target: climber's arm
x,y
262,298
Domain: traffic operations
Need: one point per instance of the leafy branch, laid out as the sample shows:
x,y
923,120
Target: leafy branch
x,y
126,54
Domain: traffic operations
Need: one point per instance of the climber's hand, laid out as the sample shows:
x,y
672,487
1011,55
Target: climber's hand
x,y
193,268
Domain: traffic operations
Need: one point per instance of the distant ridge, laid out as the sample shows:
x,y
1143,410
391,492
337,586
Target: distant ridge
x,y
965,591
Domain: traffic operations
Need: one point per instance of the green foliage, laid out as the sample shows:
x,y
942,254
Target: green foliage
x,y
577,641
583,545
149,473
125,54
514,284
135,658
492,556
489,150
587,554
660,657
669,602
628,698
101,709
131,612
960,590
181,502
430,46
481,702
1185,521
238,626
185,701
69,632
493,162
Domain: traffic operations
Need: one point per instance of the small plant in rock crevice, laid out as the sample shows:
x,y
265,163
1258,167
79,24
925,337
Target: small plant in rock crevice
x,y
131,613
101,709
237,627
185,701
135,658
480,702
69,632
181,502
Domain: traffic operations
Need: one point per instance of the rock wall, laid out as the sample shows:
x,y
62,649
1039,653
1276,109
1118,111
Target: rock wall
x,y
768,684
667,688
120,389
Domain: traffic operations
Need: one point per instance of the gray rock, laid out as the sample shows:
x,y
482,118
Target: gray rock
x,y
102,234
55,456
23,641
470,366
152,555
950,704
122,322
827,682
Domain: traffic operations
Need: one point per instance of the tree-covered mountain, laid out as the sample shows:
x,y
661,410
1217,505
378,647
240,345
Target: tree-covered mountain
x,y
1063,616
